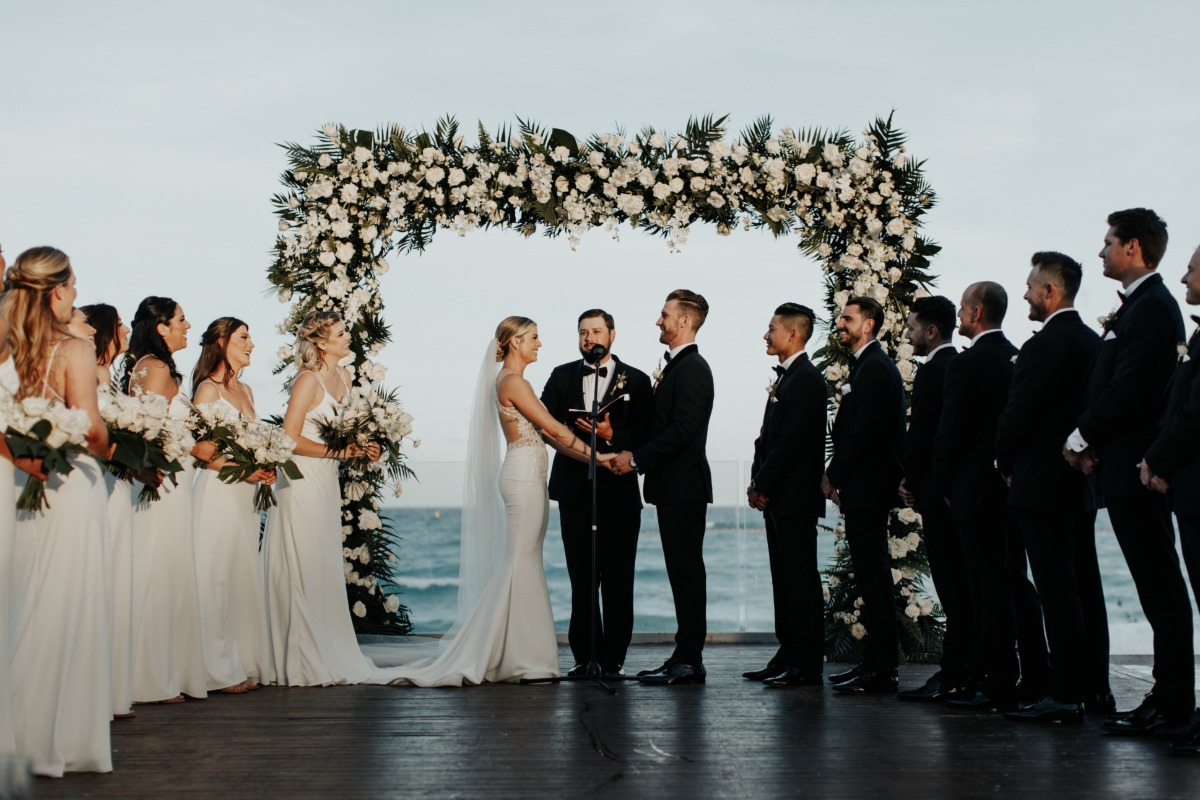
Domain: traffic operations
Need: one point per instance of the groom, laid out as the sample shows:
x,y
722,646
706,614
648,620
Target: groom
x,y
618,502
678,480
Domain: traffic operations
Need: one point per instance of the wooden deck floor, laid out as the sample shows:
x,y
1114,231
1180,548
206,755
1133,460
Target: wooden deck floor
x,y
729,738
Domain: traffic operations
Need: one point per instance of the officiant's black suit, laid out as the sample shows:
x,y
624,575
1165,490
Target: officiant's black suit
x,y
946,565
618,509
1054,504
1126,391
789,460
679,484
1007,614
1175,455
868,445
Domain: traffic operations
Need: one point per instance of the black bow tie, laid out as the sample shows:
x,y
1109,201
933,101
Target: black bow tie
x,y
1195,319
779,369
1121,295
667,357
589,370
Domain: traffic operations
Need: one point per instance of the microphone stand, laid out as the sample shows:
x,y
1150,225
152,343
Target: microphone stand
x,y
593,671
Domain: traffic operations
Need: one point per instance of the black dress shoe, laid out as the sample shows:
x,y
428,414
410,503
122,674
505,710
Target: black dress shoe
x,y
794,676
979,700
677,674
1047,710
1145,720
1189,743
848,675
1100,704
658,671
769,671
612,670
934,690
577,671
870,682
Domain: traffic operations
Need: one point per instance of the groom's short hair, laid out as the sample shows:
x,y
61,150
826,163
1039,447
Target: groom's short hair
x,y
799,317
1054,267
695,305
598,312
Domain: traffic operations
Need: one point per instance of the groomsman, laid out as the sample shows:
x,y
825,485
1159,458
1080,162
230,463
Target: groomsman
x,y
1007,618
678,481
930,331
868,441
789,460
618,500
1172,464
1129,379
1053,503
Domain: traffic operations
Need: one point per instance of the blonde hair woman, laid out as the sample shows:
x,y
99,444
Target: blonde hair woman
x,y
62,690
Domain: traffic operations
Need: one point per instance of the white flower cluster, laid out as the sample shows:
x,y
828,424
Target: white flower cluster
x,y
146,415
368,415
68,426
269,446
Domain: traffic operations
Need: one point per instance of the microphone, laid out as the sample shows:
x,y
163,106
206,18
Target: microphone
x,y
597,352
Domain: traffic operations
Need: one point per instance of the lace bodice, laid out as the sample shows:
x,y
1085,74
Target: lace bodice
x,y
519,431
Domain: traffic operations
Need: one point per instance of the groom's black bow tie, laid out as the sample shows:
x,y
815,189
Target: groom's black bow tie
x,y
589,370
1123,297
1196,319
779,369
667,357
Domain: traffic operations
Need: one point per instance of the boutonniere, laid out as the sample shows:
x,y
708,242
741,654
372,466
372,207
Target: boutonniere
x,y
1108,319
771,398
1014,359
619,382
1181,350
657,375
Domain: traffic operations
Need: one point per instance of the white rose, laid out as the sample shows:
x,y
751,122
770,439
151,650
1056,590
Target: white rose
x,y
324,161
381,266
715,200
913,611
434,175
657,140
341,229
391,604
896,226
349,193
345,252
360,610
772,146
583,182
326,258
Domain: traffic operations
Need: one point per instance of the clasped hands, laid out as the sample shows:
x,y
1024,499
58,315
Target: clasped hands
x,y
1154,483
1085,460
372,451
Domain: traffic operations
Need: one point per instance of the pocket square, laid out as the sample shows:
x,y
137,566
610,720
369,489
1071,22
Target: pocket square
x,y
845,389
1110,335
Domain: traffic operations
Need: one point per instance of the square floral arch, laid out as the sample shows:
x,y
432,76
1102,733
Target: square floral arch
x,y
854,204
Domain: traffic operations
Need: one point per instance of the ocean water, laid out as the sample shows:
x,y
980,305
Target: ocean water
x,y
735,555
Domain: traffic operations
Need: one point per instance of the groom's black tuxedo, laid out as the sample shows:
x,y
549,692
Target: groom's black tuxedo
x,y
868,442
618,509
1053,503
1007,614
789,460
1126,389
678,482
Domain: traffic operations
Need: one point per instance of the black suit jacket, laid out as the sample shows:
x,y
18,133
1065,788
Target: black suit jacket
x,y
868,434
924,414
674,459
1175,454
789,453
630,422
1128,384
1044,404
964,449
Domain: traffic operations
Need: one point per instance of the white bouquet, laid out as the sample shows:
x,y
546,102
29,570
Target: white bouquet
x,y
366,415
248,446
146,438
38,427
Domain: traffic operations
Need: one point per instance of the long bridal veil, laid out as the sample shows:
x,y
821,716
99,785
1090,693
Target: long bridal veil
x,y
483,532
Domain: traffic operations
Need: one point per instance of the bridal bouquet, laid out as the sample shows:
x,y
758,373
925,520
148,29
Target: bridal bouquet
x,y
37,427
146,437
247,446
366,415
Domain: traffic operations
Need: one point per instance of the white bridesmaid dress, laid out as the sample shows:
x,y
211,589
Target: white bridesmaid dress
x,y
312,641
120,579
168,648
229,576
9,384
61,668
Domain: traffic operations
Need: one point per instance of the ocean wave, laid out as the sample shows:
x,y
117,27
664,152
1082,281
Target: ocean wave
x,y
425,584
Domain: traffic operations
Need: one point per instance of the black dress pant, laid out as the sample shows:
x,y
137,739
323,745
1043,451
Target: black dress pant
x,y
1061,546
796,588
1142,523
866,534
947,567
1007,614
1189,540
617,527
681,528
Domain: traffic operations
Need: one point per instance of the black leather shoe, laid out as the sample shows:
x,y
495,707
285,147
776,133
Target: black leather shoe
x,y
677,674
1047,710
612,671
1100,704
848,675
870,682
1188,744
769,671
934,690
793,676
979,700
577,671
1145,720
659,670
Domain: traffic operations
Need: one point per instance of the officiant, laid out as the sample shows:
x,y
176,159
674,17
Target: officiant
x,y
622,425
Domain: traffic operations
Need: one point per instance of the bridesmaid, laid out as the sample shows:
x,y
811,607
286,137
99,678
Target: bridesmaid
x,y
111,338
8,522
61,661
226,526
312,635
168,651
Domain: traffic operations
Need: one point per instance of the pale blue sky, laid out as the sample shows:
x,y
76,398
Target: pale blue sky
x,y
140,138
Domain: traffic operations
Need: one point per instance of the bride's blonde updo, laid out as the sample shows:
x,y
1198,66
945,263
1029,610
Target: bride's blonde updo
x,y
507,330
313,330
27,287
